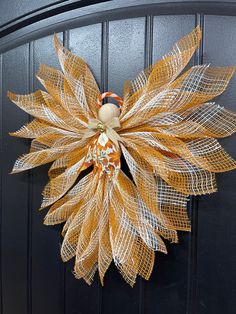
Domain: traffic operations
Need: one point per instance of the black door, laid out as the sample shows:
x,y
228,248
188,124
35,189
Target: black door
x,y
117,39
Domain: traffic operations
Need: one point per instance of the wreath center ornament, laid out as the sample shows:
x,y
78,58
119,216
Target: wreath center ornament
x,y
104,151
166,127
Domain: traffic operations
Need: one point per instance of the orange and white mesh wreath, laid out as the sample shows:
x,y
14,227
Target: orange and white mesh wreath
x,y
165,127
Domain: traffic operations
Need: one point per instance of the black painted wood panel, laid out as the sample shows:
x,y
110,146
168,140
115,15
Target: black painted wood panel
x,y
14,189
198,274
216,263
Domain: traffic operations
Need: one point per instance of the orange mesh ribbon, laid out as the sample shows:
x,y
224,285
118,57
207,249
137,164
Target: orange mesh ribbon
x,y
109,94
167,133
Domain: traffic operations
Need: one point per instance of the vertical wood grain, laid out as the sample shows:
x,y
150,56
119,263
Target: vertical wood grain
x,y
14,233
216,270
126,52
1,105
1,163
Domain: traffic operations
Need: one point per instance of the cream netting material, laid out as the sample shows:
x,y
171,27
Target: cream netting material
x,y
166,132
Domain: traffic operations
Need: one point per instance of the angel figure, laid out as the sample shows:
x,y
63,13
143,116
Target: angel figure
x,y
165,127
